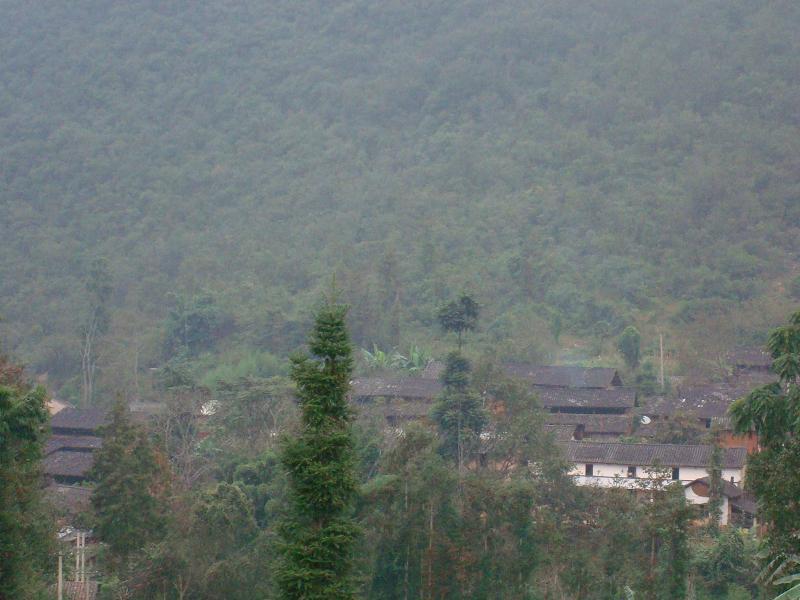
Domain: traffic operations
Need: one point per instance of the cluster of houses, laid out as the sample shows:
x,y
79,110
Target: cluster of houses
x,y
607,431
604,427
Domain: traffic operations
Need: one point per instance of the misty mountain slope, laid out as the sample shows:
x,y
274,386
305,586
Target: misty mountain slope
x,y
589,160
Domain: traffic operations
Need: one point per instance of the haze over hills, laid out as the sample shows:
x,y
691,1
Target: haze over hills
x,y
577,165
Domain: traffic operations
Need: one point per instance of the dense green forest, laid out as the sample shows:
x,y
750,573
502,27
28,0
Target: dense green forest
x,y
578,166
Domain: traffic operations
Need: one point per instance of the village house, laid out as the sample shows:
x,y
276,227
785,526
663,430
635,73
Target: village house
x,y
68,457
708,405
643,467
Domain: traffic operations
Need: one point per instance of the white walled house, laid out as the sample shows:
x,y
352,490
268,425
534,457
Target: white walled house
x,y
644,466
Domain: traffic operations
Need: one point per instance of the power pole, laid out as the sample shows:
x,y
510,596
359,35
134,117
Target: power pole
x,y
661,348
60,584
83,560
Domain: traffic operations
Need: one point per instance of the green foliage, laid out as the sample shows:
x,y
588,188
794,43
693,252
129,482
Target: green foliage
x,y
26,528
319,534
459,316
773,412
507,157
715,500
629,344
132,478
670,521
782,571
646,380
192,325
412,517
728,563
458,410
414,362
241,365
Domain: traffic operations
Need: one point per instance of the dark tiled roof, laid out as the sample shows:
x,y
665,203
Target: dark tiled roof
x,y
706,401
611,424
666,455
68,463
69,499
72,442
83,419
562,433
745,503
556,397
433,370
751,357
404,387
574,377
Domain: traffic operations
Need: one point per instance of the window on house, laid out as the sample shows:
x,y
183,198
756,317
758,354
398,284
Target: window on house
x,y
589,470
676,473
632,472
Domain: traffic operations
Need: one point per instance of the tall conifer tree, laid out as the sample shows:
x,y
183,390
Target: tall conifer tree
x,y
132,482
26,530
319,533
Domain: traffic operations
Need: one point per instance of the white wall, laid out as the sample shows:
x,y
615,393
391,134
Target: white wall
x,y
686,474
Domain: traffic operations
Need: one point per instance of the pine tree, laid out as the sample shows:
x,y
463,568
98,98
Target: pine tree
x,y
319,533
132,478
458,411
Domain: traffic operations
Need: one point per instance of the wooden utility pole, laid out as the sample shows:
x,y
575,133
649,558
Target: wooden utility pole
x,y
77,556
661,349
60,583
83,560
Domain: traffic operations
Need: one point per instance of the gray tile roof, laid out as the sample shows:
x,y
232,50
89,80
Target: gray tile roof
x,y
608,424
565,376
395,387
665,455
562,433
750,357
68,463
704,401
79,419
574,398
72,442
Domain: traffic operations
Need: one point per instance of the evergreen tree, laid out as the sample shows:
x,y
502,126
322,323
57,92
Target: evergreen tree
x,y
319,533
25,529
629,346
458,411
132,480
773,412
459,316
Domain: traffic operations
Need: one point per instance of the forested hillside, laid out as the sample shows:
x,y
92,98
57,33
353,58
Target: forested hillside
x,y
578,166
